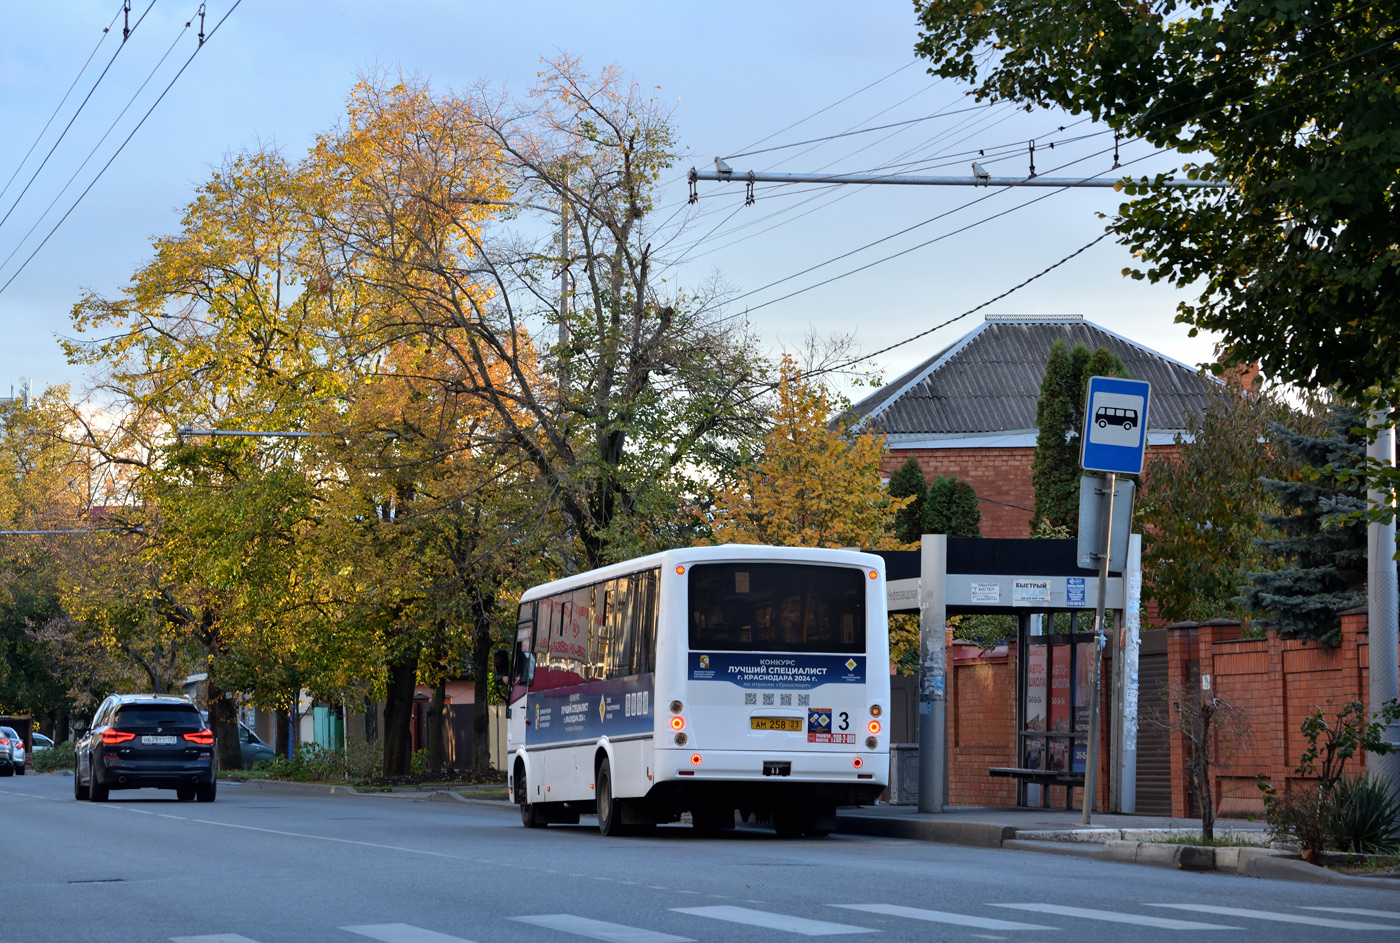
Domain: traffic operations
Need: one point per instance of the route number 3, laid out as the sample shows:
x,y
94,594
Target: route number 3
x,y
845,721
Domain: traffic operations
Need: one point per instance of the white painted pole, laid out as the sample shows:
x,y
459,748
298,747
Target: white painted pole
x,y
1132,638
1383,610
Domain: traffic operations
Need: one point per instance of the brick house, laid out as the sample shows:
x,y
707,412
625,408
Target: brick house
x,y
969,410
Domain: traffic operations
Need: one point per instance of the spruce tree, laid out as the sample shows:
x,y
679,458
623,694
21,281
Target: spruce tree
x,y
908,482
1059,416
950,507
1321,555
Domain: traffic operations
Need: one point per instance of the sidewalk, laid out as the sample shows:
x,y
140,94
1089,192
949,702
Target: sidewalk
x,y
1133,839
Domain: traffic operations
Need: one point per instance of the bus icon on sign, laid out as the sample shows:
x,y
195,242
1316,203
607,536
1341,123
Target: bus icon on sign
x,y
1106,416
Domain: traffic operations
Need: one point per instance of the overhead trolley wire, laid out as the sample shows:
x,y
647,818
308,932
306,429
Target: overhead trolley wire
x,y
95,147
125,36
122,146
59,107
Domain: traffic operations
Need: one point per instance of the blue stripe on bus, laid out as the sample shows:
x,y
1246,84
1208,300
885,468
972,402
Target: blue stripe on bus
x,y
767,670
614,708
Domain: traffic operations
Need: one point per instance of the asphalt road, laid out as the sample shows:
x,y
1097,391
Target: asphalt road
x,y
268,868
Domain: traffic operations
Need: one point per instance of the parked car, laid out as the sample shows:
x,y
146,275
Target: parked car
x,y
41,743
141,741
252,748
11,752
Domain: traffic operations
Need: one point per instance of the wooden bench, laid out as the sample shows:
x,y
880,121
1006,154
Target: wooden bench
x,y
1044,777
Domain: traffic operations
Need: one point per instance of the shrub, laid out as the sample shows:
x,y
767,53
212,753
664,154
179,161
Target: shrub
x,y
1309,812
59,756
1366,819
312,762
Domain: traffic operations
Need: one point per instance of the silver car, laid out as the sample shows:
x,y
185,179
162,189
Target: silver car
x,y
12,760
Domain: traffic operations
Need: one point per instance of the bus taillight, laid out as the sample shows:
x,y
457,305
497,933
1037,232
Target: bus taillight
x,y
695,759
677,723
876,710
873,726
857,762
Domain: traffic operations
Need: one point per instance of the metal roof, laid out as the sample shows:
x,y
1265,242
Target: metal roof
x,y
987,382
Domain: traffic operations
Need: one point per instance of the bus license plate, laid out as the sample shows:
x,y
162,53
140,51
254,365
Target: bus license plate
x,y
776,723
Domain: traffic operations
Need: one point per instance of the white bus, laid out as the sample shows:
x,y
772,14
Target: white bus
x,y
708,680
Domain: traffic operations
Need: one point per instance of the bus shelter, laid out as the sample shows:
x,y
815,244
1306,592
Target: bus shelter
x,y
1042,585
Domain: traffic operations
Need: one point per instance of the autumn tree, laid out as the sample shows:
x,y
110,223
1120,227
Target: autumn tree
x,y
646,388
1203,507
810,485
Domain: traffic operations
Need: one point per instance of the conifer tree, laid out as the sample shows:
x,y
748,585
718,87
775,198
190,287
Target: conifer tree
x,y
1321,553
950,507
908,482
1059,415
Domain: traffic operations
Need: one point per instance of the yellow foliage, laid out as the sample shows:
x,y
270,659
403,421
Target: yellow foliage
x,y
814,485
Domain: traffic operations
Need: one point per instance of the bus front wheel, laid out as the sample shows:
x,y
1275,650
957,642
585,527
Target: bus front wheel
x,y
529,812
609,815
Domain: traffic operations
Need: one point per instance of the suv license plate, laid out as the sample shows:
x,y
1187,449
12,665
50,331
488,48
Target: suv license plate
x,y
776,723
159,741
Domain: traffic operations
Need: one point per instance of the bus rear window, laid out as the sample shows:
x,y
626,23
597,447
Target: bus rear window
x,y
776,607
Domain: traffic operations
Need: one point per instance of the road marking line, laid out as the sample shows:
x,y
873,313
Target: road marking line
x,y
213,938
1279,918
402,933
601,930
1110,916
1359,911
939,916
771,921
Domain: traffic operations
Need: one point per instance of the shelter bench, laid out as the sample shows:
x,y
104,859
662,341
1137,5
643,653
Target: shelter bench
x,y
1044,777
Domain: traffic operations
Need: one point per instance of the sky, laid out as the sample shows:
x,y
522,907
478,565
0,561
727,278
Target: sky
x,y
761,76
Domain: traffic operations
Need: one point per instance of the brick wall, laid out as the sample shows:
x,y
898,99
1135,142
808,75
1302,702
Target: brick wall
x,y
1274,683
1001,477
982,728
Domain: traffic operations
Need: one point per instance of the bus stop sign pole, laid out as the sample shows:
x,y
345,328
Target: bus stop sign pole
x,y
1114,440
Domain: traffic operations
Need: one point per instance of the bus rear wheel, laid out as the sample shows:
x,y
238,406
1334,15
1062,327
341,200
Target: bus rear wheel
x,y
530,815
609,813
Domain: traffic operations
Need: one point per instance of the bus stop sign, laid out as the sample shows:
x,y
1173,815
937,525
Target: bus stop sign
x,y
1115,426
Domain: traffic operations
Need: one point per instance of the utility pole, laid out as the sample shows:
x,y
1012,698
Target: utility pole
x,y
1383,607
977,179
933,669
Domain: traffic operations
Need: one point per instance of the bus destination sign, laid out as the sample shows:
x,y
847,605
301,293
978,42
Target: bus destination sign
x,y
777,671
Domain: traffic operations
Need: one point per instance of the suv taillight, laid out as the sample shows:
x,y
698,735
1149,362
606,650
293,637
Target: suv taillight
x,y
204,738
116,736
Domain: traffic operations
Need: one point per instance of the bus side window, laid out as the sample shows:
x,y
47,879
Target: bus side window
x,y
644,623
620,620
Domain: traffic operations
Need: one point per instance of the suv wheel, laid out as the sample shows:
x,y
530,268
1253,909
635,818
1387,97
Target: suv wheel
x,y
79,790
204,792
185,793
97,792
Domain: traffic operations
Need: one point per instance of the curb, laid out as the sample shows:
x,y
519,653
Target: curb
x,y
976,834
278,785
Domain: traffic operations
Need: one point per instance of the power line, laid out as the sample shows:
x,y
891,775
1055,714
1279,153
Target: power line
x,y
126,34
59,107
96,146
202,39
846,134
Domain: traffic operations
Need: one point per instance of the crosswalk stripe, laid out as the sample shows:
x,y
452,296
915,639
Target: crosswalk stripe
x,y
1112,916
402,933
940,916
213,938
600,929
771,921
1279,918
1359,911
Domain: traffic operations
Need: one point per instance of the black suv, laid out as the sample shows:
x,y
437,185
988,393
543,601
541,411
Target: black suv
x,y
141,741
